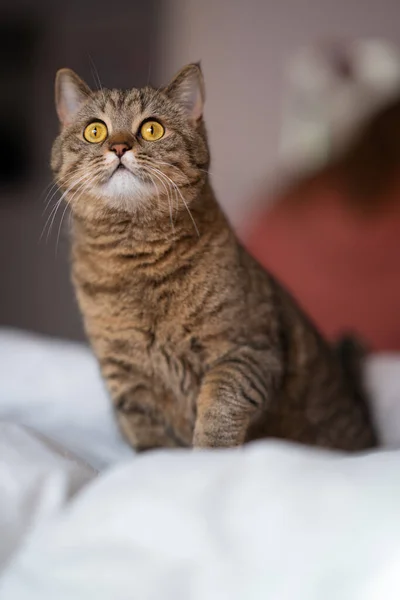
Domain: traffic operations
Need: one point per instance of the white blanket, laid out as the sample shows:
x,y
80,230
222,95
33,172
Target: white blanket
x,y
270,521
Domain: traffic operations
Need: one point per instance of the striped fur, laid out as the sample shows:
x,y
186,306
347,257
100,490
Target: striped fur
x,y
198,345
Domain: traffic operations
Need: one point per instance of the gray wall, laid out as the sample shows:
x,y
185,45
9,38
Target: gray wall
x,y
243,46
121,39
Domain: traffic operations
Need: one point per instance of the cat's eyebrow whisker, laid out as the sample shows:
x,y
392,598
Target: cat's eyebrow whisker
x,y
149,72
96,76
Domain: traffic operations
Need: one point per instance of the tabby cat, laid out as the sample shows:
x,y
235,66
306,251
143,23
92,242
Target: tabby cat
x,y
198,345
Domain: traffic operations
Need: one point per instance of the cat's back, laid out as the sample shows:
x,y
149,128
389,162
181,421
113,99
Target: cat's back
x,y
320,401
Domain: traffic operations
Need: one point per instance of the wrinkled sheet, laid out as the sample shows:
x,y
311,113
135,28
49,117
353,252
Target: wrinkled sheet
x,y
81,516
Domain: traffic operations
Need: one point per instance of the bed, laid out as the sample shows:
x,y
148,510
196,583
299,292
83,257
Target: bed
x,y
83,517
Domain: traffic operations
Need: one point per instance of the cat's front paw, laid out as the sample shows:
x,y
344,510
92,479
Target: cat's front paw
x,y
213,436
199,438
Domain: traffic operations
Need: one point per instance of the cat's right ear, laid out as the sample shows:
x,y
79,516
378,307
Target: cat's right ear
x,y
70,93
187,90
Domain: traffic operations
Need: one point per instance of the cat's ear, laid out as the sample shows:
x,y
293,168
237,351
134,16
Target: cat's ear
x,y
71,93
187,89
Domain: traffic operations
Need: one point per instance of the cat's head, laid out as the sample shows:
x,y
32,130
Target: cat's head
x,y
138,150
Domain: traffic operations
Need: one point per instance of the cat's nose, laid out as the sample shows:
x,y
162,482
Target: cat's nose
x,y
120,148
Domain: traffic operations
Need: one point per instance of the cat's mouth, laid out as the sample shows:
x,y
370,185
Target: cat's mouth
x,y
124,181
121,168
125,172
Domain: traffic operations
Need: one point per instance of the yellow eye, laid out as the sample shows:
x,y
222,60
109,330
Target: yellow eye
x,y
95,133
151,131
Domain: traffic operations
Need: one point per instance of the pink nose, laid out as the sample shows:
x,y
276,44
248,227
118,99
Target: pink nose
x,y
120,148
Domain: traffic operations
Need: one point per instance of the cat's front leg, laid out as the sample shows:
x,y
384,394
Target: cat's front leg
x,y
146,430
140,409
233,392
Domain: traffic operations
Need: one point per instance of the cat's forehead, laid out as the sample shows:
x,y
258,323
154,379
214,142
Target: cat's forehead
x,y
122,107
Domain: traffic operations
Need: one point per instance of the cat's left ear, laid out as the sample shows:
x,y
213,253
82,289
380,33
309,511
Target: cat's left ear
x,y
187,90
70,93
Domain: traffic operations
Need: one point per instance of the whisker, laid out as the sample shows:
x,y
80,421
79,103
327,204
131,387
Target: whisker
x,y
66,180
53,211
80,189
149,72
53,192
150,164
47,190
182,198
63,180
191,216
59,227
150,172
55,208
95,74
161,162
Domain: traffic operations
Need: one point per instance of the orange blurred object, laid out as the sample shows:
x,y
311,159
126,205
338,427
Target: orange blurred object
x,y
343,266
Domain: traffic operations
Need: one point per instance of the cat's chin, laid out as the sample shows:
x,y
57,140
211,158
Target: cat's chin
x,y
124,189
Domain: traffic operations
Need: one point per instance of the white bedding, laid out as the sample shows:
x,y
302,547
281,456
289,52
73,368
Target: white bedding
x,y
270,521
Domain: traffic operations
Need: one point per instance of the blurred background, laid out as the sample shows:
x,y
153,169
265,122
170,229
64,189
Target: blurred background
x,y
289,84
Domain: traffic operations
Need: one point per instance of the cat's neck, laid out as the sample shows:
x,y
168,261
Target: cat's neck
x,y
140,232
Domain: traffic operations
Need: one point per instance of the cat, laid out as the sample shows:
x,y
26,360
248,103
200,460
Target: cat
x,y
198,345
